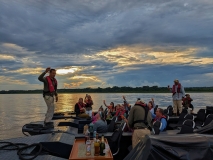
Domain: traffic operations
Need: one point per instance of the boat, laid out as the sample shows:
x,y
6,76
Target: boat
x,y
191,143
63,115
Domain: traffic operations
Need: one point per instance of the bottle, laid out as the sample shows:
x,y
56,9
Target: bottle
x,y
86,135
94,137
88,147
94,134
98,139
85,129
102,146
96,147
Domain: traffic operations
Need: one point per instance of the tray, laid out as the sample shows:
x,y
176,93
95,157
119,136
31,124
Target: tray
x,y
79,150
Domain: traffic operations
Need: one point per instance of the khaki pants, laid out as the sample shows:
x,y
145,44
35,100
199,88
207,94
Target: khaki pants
x,y
50,108
138,135
177,105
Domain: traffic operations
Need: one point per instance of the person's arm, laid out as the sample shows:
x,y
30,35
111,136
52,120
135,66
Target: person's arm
x,y
56,94
41,77
77,110
127,123
126,101
153,103
152,113
104,102
164,124
183,91
170,89
131,118
85,100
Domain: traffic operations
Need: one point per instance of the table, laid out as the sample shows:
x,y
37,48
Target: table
x,y
79,150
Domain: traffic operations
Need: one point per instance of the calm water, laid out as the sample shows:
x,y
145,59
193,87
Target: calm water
x,y
19,109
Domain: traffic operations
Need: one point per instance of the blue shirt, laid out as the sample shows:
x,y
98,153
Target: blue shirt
x,y
100,126
164,124
152,113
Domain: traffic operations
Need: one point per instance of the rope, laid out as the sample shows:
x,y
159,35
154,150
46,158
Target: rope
x,y
20,147
23,131
20,154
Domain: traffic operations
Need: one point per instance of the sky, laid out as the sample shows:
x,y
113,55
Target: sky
x,y
106,43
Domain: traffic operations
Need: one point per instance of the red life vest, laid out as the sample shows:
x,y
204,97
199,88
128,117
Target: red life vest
x,y
81,106
120,112
159,118
111,108
89,103
178,89
51,86
186,101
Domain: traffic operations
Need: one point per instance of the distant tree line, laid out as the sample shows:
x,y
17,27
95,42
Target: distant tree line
x,y
115,89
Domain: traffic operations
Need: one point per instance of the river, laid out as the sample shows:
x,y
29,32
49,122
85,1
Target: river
x,y
18,109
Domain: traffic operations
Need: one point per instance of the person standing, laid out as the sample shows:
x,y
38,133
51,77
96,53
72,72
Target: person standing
x,y
140,120
89,102
178,93
49,92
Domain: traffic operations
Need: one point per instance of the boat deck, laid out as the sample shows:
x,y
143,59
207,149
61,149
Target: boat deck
x,y
56,137
70,126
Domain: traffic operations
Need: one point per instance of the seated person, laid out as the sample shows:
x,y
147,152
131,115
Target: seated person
x,y
187,102
151,106
80,109
111,109
126,105
120,111
160,117
94,118
100,126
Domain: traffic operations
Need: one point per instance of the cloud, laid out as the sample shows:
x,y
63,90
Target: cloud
x,y
107,43
6,57
66,70
27,71
11,80
68,27
72,85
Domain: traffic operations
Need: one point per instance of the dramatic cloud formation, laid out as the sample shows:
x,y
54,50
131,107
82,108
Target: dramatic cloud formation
x,y
106,43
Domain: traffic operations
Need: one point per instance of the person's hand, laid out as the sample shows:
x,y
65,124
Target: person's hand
x,y
122,117
47,69
152,99
82,110
124,97
125,120
56,98
104,101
